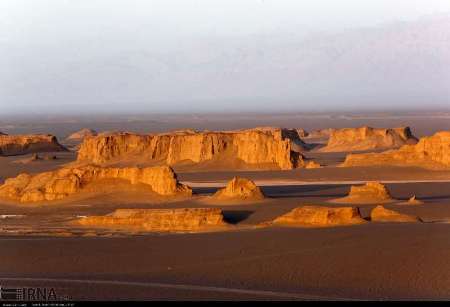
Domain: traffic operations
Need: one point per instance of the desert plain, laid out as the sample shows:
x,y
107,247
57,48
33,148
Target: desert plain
x,y
245,206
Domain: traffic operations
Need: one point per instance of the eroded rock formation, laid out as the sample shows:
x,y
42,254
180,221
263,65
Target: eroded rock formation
x,y
186,219
11,145
371,192
320,216
258,148
414,201
66,181
367,138
381,214
81,134
239,188
430,152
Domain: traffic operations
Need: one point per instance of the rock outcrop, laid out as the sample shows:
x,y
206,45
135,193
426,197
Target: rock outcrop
x,y
257,148
81,134
317,216
371,192
11,145
367,138
320,133
163,220
381,214
66,181
414,201
430,152
239,189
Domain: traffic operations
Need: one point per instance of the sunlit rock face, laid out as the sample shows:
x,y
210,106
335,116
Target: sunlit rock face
x,y
367,138
260,148
241,189
81,134
11,145
317,216
185,219
67,181
429,152
381,214
371,192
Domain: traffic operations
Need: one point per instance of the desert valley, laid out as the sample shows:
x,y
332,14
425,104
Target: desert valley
x,y
252,213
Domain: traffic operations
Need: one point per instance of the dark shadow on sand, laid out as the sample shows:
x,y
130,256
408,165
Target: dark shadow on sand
x,y
236,216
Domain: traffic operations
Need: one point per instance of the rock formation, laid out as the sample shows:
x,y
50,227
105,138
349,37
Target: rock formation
x,y
371,192
367,138
257,148
414,201
320,133
186,219
320,217
66,181
381,214
81,134
430,152
11,145
239,189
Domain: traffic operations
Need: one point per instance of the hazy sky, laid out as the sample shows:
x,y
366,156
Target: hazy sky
x,y
213,55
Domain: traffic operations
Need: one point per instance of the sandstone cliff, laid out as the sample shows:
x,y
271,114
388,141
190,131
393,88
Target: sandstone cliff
x,y
186,219
371,192
381,214
320,217
81,134
241,189
257,148
430,152
367,138
11,145
66,181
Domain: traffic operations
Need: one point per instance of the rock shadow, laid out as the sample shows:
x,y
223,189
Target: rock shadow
x,y
236,216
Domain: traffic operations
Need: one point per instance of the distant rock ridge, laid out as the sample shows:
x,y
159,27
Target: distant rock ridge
x,y
61,183
163,220
11,145
81,134
430,152
239,188
371,192
318,216
259,148
381,214
368,138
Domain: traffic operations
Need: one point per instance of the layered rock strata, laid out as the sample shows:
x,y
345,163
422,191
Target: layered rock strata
x,y
381,214
430,152
186,219
11,145
268,148
241,189
367,138
318,216
67,181
371,192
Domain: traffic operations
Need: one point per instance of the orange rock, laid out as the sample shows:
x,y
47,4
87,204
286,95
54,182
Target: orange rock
x,y
371,192
66,181
240,188
367,138
81,134
430,152
186,219
320,216
261,147
381,214
414,201
11,145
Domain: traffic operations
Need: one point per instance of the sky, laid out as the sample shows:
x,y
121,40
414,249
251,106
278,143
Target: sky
x,y
222,55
